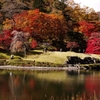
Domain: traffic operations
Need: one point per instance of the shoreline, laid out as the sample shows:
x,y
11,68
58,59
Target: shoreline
x,y
33,68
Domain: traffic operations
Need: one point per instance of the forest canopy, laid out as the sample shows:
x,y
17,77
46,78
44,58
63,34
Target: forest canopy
x,y
26,24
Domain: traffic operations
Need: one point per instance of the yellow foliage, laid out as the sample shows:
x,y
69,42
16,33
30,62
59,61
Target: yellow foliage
x,y
75,29
8,24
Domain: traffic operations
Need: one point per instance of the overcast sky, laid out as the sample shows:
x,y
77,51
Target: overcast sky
x,y
95,4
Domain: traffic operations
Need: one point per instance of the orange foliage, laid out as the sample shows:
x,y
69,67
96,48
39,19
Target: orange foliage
x,y
8,24
86,28
96,24
37,22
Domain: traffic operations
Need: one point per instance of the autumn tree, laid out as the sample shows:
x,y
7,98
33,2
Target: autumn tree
x,y
74,14
1,20
33,44
90,14
96,25
77,39
8,24
72,45
78,14
93,44
19,42
5,39
42,26
10,7
86,28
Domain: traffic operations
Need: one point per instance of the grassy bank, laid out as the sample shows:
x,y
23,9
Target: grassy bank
x,y
38,58
56,57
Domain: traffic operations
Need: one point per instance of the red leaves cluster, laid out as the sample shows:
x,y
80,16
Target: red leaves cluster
x,y
86,28
33,44
36,22
93,45
5,39
72,45
41,26
25,21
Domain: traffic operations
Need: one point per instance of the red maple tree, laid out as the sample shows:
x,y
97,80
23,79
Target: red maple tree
x,y
93,44
5,39
86,28
40,24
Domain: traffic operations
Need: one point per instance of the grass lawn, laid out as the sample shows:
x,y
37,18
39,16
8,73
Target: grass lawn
x,y
55,57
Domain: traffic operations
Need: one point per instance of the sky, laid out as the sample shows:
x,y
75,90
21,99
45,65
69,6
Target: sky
x,y
95,4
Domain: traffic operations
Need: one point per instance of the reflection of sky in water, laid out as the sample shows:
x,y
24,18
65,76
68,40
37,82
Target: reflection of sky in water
x,y
48,85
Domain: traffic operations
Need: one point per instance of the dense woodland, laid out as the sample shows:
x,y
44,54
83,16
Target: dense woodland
x,y
52,24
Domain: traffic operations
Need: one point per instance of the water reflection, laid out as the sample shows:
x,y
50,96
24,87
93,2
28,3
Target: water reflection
x,y
92,84
49,85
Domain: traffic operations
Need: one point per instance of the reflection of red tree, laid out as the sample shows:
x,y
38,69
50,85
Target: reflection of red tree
x,y
4,88
31,83
92,84
93,45
16,81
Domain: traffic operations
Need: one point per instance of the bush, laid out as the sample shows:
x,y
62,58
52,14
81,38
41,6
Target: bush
x,y
19,54
2,56
51,48
2,61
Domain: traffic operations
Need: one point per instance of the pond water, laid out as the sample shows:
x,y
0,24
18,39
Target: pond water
x,y
49,85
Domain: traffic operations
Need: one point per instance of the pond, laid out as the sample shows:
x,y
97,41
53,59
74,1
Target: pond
x,y
49,85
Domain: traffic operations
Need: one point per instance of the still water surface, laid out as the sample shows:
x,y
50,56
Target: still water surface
x,y
49,85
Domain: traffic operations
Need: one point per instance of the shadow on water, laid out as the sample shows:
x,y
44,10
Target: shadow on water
x,y
78,72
